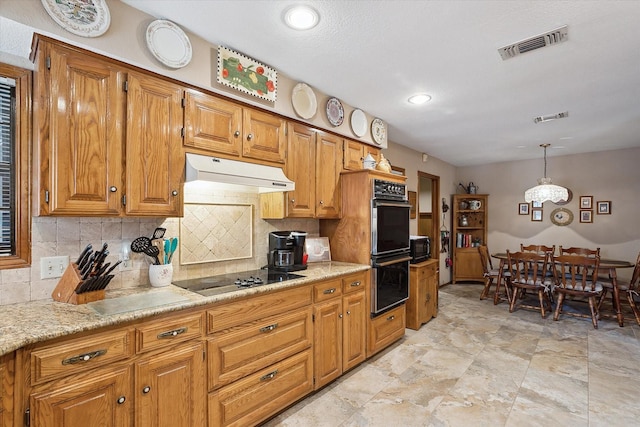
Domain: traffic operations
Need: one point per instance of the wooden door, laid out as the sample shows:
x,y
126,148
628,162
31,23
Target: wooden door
x,y
328,167
264,136
170,388
353,155
82,162
212,124
431,291
327,342
301,168
155,158
97,399
354,338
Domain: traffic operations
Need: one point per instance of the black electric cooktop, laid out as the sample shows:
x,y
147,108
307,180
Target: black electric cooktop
x,y
215,285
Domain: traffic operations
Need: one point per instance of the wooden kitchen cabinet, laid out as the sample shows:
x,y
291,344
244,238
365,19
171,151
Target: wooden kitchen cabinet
x,y
7,390
301,169
355,152
469,231
328,168
354,325
385,329
422,304
108,138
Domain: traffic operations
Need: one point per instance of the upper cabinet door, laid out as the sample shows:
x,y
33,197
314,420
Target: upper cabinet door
x,y
155,158
301,166
264,136
212,124
85,135
328,167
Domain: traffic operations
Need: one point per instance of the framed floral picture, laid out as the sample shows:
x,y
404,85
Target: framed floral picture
x,y
536,215
586,202
535,204
604,208
246,74
523,208
586,215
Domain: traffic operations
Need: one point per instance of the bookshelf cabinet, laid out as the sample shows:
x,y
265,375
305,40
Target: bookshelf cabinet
x,y
469,231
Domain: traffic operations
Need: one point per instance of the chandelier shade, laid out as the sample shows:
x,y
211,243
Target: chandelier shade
x,y
546,191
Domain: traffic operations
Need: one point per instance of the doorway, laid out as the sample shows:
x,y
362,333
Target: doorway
x,y
429,210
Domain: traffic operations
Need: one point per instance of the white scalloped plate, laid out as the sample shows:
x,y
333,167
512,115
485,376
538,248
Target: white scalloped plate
x,y
83,18
378,131
304,101
358,122
168,43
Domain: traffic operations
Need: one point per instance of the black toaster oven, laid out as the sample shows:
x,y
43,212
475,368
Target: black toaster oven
x,y
420,248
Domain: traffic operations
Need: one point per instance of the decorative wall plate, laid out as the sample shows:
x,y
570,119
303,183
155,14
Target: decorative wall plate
x,y
304,101
561,216
335,111
378,131
168,43
358,122
86,18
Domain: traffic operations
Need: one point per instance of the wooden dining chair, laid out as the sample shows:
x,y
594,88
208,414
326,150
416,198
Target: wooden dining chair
x,y
528,271
630,289
577,276
539,249
579,251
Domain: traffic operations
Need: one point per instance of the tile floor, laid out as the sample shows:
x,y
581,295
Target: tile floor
x,y
478,365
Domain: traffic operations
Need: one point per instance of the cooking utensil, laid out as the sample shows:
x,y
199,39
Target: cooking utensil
x,y
172,249
153,252
139,244
159,243
83,253
158,233
167,248
84,260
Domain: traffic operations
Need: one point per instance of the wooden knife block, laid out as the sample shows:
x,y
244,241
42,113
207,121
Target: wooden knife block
x,y
65,291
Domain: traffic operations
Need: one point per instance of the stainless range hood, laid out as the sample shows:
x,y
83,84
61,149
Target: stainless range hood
x,y
237,176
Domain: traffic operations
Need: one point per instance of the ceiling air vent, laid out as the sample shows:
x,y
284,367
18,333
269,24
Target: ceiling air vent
x,y
547,39
541,119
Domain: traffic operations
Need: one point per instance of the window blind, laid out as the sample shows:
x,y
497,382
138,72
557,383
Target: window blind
x,y
7,167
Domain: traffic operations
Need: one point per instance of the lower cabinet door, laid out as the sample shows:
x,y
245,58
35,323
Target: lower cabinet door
x,y
385,329
354,332
170,388
94,399
258,396
327,342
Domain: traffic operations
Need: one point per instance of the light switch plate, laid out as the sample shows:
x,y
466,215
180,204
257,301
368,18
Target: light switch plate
x,y
52,267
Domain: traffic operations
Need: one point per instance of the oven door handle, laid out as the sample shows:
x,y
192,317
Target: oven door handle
x,y
394,261
378,203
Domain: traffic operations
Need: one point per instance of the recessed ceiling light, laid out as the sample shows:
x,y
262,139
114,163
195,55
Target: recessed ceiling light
x,y
301,17
420,98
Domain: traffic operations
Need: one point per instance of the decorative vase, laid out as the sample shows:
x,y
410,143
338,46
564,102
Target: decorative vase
x,y
369,162
383,164
160,275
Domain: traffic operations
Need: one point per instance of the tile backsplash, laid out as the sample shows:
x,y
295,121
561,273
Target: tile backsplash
x,y
54,236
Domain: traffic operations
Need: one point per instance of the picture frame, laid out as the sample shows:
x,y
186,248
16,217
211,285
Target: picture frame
x,y
536,204
603,207
247,75
536,215
412,195
523,208
586,215
586,202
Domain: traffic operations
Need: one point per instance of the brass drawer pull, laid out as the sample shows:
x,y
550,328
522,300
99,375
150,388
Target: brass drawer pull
x,y
121,400
356,283
269,328
84,357
329,291
269,376
146,390
173,333
391,317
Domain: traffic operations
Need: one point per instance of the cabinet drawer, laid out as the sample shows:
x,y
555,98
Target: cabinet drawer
x,y
253,346
327,290
169,331
354,282
253,308
386,328
79,355
256,397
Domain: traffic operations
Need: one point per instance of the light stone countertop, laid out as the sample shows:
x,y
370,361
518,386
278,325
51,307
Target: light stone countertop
x,y
36,321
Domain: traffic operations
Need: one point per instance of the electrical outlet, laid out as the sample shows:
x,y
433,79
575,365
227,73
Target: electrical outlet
x,y
53,266
125,265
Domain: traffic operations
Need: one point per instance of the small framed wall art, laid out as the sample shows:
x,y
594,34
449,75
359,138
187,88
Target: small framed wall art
x,y
523,208
604,208
586,202
536,215
535,204
586,215
246,74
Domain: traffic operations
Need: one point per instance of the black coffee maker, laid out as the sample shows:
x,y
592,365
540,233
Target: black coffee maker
x,y
286,250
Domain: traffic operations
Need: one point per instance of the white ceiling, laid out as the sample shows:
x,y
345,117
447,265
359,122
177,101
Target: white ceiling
x,y
375,54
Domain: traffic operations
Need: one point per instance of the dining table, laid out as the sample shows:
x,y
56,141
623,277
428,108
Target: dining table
x,y
608,265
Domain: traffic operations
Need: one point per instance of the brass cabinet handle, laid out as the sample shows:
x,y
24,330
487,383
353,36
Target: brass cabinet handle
x,y
113,188
340,316
329,291
236,133
269,328
173,333
84,357
249,137
354,284
269,376
391,317
121,400
321,202
293,201
348,313
174,193
146,390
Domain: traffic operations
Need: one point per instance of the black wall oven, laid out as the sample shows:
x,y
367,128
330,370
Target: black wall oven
x,y
389,246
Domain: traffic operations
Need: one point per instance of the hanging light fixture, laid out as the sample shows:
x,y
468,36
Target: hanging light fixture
x,y
545,190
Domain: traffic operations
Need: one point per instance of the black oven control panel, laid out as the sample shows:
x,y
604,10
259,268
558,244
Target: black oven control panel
x,y
389,190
